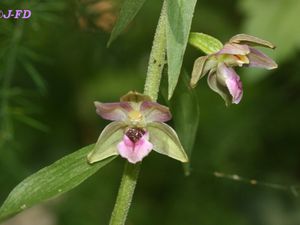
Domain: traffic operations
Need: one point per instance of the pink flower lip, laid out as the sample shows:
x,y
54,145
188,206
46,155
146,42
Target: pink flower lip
x,y
232,82
135,145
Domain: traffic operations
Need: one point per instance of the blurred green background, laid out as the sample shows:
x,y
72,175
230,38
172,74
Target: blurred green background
x,y
55,64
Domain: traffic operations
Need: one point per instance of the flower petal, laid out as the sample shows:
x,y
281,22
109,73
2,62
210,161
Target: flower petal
x,y
235,60
251,40
135,152
113,111
201,66
234,49
218,88
259,59
165,141
232,81
106,145
153,111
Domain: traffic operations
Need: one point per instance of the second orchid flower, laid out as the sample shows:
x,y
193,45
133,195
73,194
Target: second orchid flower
x,y
222,78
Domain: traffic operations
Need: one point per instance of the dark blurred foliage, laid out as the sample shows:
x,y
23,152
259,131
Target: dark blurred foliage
x,y
55,64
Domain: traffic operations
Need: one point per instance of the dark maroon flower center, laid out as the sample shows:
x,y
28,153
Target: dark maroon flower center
x,y
135,134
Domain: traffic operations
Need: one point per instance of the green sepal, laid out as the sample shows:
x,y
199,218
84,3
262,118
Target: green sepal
x,y
133,96
198,70
108,140
165,141
205,43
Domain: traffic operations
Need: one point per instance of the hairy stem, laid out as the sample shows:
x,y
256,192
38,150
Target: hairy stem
x,y
155,67
157,57
126,190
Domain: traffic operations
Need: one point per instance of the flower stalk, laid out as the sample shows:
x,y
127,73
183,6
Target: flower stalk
x,y
126,190
131,171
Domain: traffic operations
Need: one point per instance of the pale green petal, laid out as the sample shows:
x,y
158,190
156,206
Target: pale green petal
x,y
108,140
165,141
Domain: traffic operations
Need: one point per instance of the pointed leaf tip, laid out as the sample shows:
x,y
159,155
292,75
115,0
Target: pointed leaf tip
x,y
179,20
128,11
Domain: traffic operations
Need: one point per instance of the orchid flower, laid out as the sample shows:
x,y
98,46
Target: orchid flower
x,y
138,128
222,78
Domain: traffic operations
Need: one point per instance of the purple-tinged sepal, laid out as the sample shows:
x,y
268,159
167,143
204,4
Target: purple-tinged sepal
x,y
250,40
116,111
261,60
154,111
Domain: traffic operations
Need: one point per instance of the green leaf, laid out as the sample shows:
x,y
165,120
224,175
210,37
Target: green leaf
x,y
180,14
205,43
62,176
128,11
186,112
165,141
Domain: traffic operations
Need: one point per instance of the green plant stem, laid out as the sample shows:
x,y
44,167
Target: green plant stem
x,y
126,190
157,58
131,171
